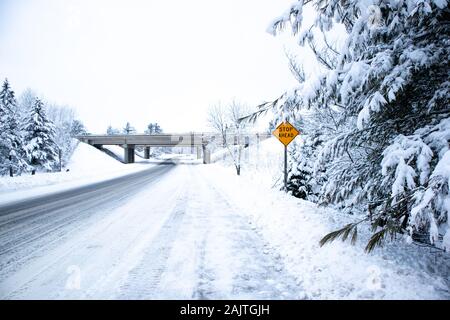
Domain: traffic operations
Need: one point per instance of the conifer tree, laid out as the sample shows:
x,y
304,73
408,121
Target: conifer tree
x,y
12,153
112,131
388,86
129,129
153,128
39,138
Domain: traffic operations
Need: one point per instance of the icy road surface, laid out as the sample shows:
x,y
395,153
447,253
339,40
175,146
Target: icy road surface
x,y
165,232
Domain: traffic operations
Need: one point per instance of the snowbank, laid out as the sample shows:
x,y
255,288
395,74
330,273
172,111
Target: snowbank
x,y
339,270
117,151
86,165
88,159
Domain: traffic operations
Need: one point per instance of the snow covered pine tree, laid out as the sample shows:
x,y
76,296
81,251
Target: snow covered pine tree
x,y
129,129
112,131
390,85
12,153
39,138
153,128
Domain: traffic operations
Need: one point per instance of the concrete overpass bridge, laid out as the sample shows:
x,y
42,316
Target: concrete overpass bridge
x,y
198,141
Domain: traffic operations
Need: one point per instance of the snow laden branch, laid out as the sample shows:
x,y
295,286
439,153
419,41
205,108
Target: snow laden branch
x,y
375,118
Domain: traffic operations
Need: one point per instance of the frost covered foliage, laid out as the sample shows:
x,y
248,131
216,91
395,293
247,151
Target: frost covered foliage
x,y
39,138
128,129
66,127
303,180
31,138
153,128
389,86
12,153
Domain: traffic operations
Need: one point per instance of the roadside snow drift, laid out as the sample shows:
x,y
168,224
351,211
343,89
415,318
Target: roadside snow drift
x,y
294,227
87,165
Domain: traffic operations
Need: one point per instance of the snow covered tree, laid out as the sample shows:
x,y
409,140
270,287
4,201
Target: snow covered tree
x,y
66,126
12,153
217,118
219,121
39,138
271,127
237,111
129,129
77,128
303,181
25,103
149,129
112,131
226,121
389,87
153,128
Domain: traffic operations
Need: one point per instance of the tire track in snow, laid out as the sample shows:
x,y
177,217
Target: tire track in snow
x,y
216,254
143,280
33,240
36,247
256,271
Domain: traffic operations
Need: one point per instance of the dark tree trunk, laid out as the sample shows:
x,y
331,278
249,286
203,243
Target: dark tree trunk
x,y
10,166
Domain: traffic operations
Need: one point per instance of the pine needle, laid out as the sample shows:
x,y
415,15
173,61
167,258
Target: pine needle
x,y
344,232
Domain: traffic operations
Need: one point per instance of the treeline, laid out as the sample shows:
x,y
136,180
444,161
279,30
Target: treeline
x,y
34,136
152,128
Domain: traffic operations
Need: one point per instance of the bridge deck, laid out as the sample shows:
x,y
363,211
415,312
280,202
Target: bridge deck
x,y
198,140
165,140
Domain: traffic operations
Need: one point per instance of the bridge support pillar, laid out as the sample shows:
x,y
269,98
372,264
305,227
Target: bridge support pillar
x,y
129,153
206,155
247,141
147,153
199,152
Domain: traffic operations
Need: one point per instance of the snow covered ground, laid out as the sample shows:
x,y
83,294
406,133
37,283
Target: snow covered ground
x,y
293,228
87,165
201,232
174,237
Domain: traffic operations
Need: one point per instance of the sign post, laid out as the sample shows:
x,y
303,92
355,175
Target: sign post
x,y
285,169
285,132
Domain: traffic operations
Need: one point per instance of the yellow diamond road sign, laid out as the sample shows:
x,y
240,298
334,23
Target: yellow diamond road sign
x,y
285,132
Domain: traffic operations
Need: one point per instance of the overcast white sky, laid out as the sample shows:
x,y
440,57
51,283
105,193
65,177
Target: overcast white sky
x,y
143,61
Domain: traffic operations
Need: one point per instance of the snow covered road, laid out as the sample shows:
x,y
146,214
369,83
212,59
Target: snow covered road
x,y
165,232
